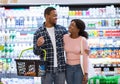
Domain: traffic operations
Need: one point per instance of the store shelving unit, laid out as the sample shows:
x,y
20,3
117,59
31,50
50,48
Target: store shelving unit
x,y
102,27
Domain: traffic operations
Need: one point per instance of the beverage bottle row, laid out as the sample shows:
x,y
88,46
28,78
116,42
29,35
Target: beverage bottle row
x,y
35,22
107,71
33,16
104,80
103,53
102,23
101,42
104,33
107,11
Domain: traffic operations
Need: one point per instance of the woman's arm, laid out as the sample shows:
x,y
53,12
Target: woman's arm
x,y
86,52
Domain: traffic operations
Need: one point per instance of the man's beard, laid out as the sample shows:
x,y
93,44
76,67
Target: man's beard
x,y
54,23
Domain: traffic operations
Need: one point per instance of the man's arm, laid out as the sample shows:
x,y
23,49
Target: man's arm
x,y
36,47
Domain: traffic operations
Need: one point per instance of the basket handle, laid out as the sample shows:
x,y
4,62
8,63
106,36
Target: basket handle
x,y
32,49
1,47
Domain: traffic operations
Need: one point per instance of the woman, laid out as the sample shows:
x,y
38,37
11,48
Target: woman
x,y
73,49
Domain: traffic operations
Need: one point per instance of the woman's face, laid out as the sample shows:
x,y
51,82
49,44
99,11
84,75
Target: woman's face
x,y
73,28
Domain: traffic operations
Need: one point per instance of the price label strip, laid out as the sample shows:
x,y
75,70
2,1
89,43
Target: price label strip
x,y
114,65
97,65
118,65
108,65
102,65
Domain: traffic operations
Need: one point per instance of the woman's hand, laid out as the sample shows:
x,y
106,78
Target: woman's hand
x,y
40,41
85,78
87,51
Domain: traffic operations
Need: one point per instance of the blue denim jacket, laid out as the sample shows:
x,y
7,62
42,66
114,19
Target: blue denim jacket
x,y
59,32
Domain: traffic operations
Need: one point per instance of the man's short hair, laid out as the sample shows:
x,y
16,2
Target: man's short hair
x,y
48,10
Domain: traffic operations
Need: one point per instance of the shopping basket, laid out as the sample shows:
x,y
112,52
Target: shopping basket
x,y
30,67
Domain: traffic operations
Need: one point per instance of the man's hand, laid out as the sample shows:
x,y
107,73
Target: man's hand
x,y
40,41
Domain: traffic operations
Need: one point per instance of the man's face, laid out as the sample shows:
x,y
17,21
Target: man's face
x,y
52,17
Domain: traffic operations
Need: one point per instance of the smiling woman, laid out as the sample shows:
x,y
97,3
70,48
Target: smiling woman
x,y
75,45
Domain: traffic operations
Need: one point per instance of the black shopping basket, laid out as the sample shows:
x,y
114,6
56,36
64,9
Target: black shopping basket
x,y
29,67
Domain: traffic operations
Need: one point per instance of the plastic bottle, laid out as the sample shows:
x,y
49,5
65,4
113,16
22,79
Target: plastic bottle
x,y
13,22
97,81
34,22
21,20
91,81
119,80
0,22
8,22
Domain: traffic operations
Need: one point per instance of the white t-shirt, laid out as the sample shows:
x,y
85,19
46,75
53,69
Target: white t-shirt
x,y
52,36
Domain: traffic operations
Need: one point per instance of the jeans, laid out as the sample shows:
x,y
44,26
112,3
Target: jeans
x,y
54,78
74,74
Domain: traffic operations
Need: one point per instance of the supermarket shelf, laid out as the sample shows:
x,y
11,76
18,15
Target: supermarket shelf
x,y
105,37
102,48
106,65
22,29
11,75
22,41
94,17
103,28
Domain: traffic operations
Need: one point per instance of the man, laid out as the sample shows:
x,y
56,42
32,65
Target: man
x,y
50,37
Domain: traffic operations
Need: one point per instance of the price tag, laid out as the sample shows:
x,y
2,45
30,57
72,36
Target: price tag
x,y
97,65
114,65
118,64
108,65
102,65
